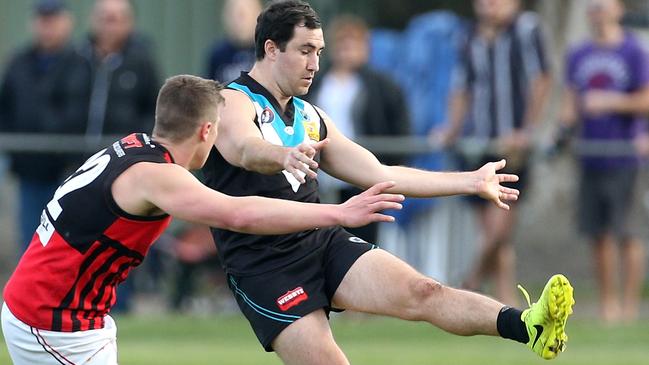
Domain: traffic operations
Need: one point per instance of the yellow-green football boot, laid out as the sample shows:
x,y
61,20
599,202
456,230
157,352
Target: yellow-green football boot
x,y
546,319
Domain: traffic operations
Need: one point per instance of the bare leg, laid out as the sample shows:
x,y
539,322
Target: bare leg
x,y
633,261
380,283
309,341
606,270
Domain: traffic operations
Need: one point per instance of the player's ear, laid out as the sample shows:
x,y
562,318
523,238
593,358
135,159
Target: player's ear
x,y
271,49
205,129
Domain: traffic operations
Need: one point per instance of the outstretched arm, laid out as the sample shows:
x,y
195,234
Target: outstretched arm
x,y
348,161
148,186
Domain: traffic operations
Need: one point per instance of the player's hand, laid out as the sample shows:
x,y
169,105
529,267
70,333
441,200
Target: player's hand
x,y
488,184
299,160
364,208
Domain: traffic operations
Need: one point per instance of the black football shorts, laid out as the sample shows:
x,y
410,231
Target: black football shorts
x,y
273,300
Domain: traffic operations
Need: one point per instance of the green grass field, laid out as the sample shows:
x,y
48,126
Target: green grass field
x,y
373,341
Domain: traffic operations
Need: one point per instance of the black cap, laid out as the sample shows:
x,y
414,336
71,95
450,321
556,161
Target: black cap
x,y
49,7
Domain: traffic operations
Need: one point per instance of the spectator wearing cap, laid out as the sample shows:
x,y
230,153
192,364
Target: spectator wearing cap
x,y
43,90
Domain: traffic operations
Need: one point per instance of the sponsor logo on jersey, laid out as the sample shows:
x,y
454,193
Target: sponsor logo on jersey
x,y
131,141
45,230
311,129
292,298
357,240
267,115
147,140
118,149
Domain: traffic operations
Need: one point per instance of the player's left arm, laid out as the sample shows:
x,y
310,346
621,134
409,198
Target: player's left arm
x,y
350,162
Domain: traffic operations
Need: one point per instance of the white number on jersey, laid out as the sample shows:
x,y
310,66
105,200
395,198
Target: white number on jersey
x,y
86,174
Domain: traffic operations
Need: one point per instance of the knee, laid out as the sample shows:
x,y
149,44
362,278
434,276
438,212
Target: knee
x,y
422,292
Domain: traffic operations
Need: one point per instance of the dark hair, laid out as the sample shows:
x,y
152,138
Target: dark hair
x,y
182,102
277,22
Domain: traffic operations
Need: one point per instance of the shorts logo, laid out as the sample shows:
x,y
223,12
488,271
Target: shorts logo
x,y
267,115
292,298
357,240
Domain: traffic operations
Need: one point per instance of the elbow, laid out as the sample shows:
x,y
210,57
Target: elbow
x,y
240,221
246,161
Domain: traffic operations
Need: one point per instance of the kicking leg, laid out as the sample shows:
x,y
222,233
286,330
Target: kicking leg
x,y
382,284
309,341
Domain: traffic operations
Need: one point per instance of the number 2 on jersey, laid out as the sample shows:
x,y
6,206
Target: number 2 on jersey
x,y
86,174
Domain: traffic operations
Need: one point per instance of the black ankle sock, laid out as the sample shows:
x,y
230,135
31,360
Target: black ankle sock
x,y
511,326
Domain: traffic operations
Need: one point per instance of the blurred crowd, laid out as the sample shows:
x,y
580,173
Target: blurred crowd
x,y
474,90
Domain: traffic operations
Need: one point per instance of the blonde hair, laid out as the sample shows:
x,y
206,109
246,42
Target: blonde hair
x,y
183,102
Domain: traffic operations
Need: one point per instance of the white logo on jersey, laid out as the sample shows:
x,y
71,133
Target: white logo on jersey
x,y
45,230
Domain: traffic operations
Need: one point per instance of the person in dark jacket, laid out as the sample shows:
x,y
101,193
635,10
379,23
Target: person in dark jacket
x,y
124,77
43,91
236,51
363,101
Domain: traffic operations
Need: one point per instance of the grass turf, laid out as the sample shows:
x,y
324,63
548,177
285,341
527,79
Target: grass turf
x,y
367,340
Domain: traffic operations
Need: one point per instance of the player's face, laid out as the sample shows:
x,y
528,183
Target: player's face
x,y
297,65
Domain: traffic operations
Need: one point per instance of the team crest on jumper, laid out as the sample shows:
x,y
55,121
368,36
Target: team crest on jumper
x,y
311,129
267,115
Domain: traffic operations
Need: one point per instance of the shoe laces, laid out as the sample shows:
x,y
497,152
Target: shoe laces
x,y
526,294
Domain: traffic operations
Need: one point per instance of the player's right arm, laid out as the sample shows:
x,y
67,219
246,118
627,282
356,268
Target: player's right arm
x,y
146,187
241,144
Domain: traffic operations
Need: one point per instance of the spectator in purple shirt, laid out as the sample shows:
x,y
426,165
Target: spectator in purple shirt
x,y
607,94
